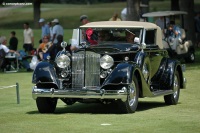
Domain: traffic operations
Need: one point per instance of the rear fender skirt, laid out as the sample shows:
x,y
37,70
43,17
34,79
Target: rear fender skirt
x,y
165,74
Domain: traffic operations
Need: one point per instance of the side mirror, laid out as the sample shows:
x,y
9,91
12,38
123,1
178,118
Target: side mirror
x,y
137,40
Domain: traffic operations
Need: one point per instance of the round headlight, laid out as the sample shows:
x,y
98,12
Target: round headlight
x,y
63,61
106,61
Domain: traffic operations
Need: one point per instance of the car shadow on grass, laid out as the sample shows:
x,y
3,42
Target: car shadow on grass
x,y
98,108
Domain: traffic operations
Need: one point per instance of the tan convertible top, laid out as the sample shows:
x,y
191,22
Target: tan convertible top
x,y
120,24
128,24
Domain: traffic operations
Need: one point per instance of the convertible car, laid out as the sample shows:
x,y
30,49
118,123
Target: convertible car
x,y
107,68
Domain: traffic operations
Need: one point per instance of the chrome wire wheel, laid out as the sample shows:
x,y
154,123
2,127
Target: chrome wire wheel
x,y
172,99
176,87
192,57
132,95
130,105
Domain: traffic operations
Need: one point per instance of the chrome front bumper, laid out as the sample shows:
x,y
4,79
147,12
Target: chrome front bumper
x,y
83,93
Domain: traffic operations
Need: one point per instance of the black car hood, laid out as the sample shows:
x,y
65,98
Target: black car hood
x,y
113,48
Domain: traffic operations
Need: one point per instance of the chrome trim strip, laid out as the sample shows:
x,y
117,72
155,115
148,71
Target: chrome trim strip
x,y
82,93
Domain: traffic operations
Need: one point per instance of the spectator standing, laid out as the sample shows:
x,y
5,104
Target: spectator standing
x,y
124,14
28,38
160,22
197,29
115,18
13,43
89,35
51,30
45,29
84,19
57,30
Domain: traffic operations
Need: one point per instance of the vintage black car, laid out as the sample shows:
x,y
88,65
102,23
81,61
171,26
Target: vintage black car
x,y
109,70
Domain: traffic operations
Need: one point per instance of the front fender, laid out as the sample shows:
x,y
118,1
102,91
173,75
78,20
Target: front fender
x,y
45,72
121,74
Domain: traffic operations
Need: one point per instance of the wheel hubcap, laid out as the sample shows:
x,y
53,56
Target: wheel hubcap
x,y
192,56
132,95
176,86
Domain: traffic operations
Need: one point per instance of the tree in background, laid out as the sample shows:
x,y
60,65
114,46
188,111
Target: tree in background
x,y
36,11
133,10
175,5
188,6
1,1
144,9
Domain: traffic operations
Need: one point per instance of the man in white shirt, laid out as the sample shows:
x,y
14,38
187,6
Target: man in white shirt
x,y
3,42
28,38
124,14
6,63
57,30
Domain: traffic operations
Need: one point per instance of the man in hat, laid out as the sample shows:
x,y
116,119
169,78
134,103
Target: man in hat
x,y
45,29
174,34
84,19
173,30
57,30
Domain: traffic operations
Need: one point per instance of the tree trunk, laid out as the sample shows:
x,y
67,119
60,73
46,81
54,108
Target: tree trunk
x,y
188,6
36,10
144,9
175,5
133,10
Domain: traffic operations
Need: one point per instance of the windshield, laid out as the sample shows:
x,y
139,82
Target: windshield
x,y
98,36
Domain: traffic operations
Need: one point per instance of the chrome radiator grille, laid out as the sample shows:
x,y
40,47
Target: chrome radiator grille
x,y
85,69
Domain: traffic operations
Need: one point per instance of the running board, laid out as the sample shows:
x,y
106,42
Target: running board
x,y
163,92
